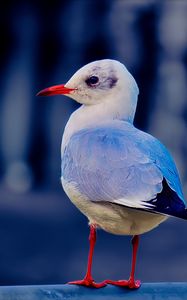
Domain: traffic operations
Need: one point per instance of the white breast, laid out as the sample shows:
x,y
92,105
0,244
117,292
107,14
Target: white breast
x,y
84,117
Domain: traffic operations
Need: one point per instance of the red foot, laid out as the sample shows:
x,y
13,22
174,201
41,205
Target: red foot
x,y
89,283
131,284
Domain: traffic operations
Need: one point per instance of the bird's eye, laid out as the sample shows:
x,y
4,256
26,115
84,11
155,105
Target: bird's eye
x,y
91,81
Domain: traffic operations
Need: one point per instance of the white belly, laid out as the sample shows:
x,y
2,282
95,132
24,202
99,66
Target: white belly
x,y
111,217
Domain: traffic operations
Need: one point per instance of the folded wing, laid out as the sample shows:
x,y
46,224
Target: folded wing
x,y
126,166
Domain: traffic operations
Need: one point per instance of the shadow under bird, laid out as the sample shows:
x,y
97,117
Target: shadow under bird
x,y
123,179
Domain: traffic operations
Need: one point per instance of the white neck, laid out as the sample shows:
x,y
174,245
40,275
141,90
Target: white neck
x,y
94,115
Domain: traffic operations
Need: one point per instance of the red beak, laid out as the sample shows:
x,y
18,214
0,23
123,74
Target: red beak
x,y
55,90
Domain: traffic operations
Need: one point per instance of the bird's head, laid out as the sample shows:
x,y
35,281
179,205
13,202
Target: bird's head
x,y
98,81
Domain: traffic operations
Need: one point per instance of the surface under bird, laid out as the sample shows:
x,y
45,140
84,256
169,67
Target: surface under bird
x,y
123,179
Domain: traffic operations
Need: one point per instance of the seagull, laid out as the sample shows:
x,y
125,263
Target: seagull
x,y
123,179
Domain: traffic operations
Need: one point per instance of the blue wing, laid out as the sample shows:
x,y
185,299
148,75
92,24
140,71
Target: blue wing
x,y
123,165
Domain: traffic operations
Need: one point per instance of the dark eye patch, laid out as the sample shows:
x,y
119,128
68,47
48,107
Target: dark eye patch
x,y
112,81
92,80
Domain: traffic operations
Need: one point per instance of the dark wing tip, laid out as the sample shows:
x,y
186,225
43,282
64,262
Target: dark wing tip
x,y
169,203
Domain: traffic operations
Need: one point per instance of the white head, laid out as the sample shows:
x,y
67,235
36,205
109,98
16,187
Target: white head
x,y
106,82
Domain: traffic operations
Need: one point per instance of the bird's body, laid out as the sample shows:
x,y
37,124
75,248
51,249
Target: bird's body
x,y
91,181
123,179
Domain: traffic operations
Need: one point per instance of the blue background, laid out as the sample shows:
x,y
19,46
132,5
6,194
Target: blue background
x,y
43,237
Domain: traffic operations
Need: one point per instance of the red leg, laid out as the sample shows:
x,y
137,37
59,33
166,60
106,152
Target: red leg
x,y
131,282
88,280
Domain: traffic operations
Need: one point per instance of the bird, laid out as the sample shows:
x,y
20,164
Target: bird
x,y
122,179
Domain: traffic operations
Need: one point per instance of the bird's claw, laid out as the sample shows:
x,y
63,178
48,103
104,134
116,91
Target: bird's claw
x,y
131,284
89,282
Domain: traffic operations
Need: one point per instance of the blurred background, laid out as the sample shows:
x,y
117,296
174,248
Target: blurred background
x,y
43,237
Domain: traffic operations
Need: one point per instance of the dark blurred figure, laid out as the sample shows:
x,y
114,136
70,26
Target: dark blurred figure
x,y
44,43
